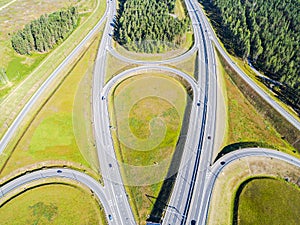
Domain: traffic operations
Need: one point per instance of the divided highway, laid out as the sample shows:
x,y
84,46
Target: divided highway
x,y
196,176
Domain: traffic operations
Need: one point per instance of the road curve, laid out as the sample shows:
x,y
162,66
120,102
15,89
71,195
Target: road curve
x,y
149,68
83,178
229,158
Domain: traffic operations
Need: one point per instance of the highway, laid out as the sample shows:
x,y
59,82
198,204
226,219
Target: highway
x,y
102,192
188,188
15,125
194,183
121,211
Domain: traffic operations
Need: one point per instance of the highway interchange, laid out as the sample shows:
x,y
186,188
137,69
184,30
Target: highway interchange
x,y
196,175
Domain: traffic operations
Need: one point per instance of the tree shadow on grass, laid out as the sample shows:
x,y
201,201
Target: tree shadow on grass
x,y
241,145
161,201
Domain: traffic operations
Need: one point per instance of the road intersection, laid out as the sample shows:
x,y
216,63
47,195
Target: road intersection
x,y
194,184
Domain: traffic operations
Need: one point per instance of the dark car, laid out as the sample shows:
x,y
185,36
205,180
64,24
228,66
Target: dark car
x,y
109,217
58,171
222,163
193,222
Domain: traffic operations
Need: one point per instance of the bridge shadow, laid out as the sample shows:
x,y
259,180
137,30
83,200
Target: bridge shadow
x,y
241,145
160,203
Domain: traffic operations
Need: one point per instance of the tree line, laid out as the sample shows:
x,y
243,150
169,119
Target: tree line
x,y
44,33
149,26
267,32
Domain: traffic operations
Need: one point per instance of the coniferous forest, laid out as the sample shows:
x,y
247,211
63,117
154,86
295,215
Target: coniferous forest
x,y
44,33
149,26
266,31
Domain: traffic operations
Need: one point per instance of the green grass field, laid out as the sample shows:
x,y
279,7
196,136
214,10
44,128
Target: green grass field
x,y
245,125
52,204
61,130
268,201
148,110
22,89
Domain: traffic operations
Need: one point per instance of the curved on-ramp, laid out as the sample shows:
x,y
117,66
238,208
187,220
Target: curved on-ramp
x,y
42,174
149,68
220,164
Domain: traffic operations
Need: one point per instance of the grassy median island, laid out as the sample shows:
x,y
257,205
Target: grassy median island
x,y
147,112
61,131
267,201
52,204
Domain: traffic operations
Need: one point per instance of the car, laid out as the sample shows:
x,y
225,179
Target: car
x,y
110,165
110,217
209,137
222,163
103,98
193,222
198,103
58,171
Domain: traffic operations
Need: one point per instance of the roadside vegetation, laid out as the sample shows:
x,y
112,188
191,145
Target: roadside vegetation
x,y
36,67
60,133
148,26
246,127
272,49
267,87
147,113
53,204
267,201
43,34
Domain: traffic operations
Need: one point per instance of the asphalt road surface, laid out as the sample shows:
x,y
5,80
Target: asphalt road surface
x,y
193,187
